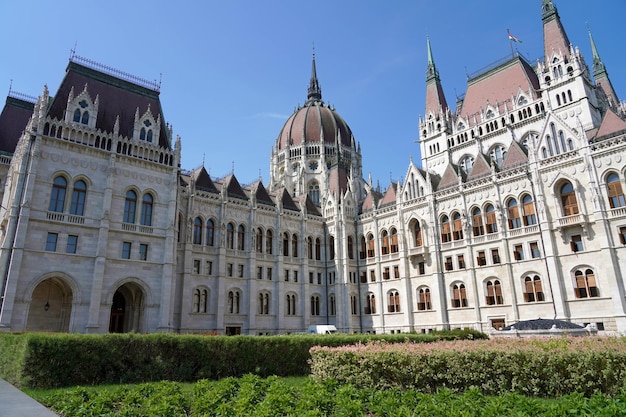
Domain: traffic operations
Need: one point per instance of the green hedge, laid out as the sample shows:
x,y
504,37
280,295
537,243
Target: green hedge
x,y
537,368
40,360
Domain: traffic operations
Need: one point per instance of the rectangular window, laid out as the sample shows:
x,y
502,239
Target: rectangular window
x,y
363,277
576,243
259,272
422,267
396,271
51,242
481,259
240,271
310,277
269,274
229,269
461,261
295,276
209,267
143,251
286,275
386,273
126,246
518,253
449,263
373,276
622,235
534,250
196,266
72,243
495,256
319,278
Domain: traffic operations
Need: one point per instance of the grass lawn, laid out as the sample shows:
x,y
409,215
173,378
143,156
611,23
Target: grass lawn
x,y
254,396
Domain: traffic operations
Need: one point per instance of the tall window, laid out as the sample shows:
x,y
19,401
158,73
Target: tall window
x,y
57,198
477,220
533,290
197,231
314,192
146,210
423,295
446,236
568,200
332,306
394,302
233,302
315,305
529,210
294,245
354,310
331,247
363,249
291,305
417,234
586,284
394,240
616,195
126,248
513,212
285,244
385,243
241,237
130,206
200,297
230,236
494,293
264,303
309,249
210,233
459,296
370,246
350,247
259,240
269,241
492,225
318,249
78,198
51,242
457,225
72,244
370,304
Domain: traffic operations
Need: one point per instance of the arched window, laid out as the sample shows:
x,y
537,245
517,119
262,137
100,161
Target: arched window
x,y
385,242
394,302
241,237
424,303
264,303
497,155
457,225
314,192
318,249
269,240
459,296
197,231
332,305
210,233
331,247
146,210
130,207
149,136
529,210
477,220
350,247
370,245
417,234
614,187
533,290
76,116
294,245
230,236
286,244
233,302
57,198
85,119
315,305
466,164
142,133
259,240
200,300
446,236
513,212
492,224
568,200
370,303
394,240
291,305
494,293
78,198
586,284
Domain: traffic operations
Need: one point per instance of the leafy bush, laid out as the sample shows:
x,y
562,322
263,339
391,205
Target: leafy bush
x,y
536,367
57,360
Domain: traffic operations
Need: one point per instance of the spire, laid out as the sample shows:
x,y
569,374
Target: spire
x,y
601,76
314,92
435,99
555,39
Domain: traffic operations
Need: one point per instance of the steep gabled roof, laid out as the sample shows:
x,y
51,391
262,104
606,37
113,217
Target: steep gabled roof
x,y
117,97
450,177
305,201
371,201
286,200
13,121
233,189
611,124
515,156
203,180
480,168
261,194
390,195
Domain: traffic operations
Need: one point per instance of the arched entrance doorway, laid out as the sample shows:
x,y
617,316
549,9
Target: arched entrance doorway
x,y
50,306
127,309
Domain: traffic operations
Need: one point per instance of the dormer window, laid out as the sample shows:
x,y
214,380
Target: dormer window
x,y
461,126
81,108
522,100
490,114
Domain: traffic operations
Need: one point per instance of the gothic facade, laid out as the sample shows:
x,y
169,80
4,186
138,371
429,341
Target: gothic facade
x,y
516,211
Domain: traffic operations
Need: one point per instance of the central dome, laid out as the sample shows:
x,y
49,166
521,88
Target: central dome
x,y
315,122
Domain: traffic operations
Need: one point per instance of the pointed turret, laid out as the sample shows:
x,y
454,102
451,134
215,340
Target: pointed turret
x,y
314,92
554,37
435,99
601,76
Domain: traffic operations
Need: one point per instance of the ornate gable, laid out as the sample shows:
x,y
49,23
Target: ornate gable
x,y
82,109
146,127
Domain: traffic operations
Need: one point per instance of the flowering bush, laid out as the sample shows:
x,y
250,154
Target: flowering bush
x,y
535,367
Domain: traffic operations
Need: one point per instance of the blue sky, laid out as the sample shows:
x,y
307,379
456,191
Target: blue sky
x,y
233,71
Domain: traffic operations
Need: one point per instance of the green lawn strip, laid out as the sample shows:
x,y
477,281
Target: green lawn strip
x,y
251,395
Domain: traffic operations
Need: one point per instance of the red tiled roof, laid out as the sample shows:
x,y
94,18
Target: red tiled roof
x,y
449,178
337,181
516,155
611,123
480,168
390,195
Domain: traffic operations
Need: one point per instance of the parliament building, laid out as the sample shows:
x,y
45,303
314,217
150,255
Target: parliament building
x,y
515,212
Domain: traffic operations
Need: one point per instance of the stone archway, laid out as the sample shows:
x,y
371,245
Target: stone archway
x,y
127,309
50,306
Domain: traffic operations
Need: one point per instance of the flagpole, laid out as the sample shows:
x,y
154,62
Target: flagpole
x,y
510,43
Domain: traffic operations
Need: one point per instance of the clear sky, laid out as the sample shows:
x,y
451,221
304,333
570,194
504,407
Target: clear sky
x,y
232,71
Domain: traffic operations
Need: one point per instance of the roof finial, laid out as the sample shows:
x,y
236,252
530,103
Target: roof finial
x,y
314,92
